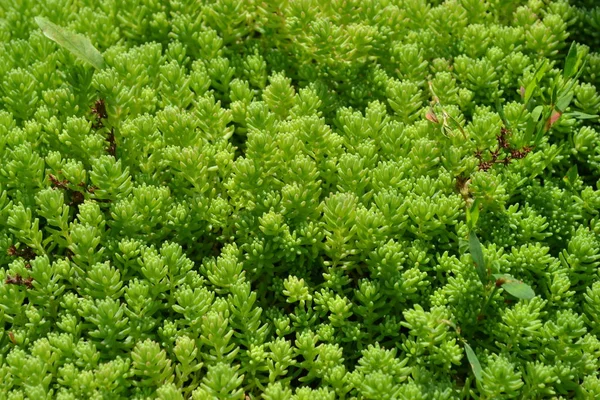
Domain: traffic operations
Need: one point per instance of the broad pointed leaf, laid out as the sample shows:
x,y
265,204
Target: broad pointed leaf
x,y
473,215
537,113
474,361
515,287
564,101
77,44
519,289
571,175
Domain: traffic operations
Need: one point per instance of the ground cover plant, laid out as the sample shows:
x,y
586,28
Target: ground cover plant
x,y
341,199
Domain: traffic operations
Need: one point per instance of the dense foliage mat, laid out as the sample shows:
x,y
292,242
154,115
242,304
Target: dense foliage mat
x,y
303,199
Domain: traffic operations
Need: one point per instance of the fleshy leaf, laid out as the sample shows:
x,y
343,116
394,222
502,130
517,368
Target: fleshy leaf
x,y
474,361
77,44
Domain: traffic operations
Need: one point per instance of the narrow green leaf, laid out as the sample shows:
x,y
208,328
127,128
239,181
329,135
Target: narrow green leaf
x,y
571,62
500,111
537,77
571,175
541,126
580,70
554,94
569,86
580,115
477,254
474,361
77,44
529,130
473,215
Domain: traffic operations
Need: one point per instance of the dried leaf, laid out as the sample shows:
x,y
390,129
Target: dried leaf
x,y
431,116
552,120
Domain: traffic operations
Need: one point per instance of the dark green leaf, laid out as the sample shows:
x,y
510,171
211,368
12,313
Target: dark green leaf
x,y
541,126
529,130
580,70
473,215
474,361
572,175
77,44
571,62
554,94
477,254
500,111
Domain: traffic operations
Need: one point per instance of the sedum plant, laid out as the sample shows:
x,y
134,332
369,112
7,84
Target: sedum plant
x,y
299,199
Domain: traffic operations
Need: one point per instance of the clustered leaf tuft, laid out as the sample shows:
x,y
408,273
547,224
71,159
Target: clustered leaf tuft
x,y
299,200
